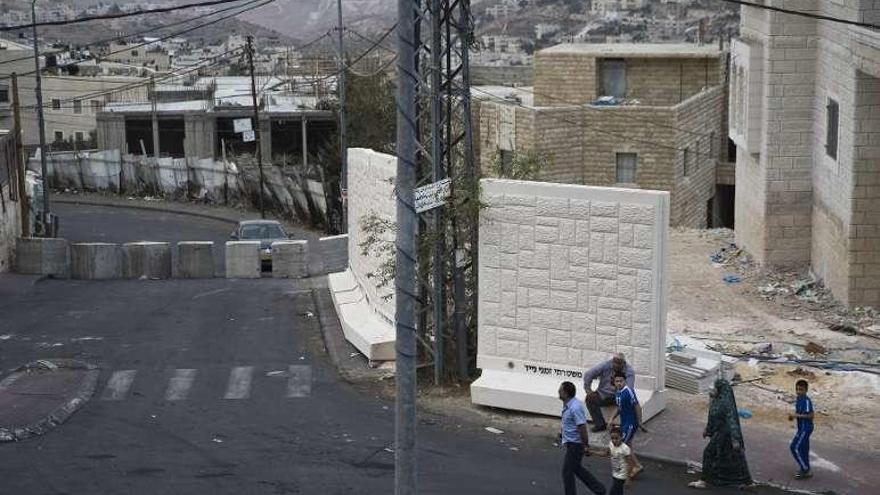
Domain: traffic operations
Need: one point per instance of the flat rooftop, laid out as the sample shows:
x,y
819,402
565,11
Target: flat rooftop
x,y
640,50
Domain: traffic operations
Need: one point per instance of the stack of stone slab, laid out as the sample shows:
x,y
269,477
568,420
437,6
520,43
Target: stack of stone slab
x,y
692,368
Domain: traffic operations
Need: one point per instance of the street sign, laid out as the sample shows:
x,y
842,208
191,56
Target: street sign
x,y
242,125
248,136
431,196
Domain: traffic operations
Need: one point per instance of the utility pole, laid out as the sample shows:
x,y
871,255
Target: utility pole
x,y
437,165
343,129
154,117
405,282
21,164
38,90
259,141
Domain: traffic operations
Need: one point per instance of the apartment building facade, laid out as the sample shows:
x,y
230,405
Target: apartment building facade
x,y
663,127
805,116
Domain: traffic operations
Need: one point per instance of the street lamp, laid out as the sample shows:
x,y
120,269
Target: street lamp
x,y
38,89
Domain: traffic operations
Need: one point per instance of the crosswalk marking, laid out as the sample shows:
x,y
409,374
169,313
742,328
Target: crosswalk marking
x,y
239,383
299,384
118,385
180,383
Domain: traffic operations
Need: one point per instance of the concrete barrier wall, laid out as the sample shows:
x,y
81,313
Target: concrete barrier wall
x,y
215,181
290,259
38,256
243,259
95,261
370,192
569,275
195,259
149,260
333,251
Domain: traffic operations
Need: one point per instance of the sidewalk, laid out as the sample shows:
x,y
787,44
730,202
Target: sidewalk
x,y
676,435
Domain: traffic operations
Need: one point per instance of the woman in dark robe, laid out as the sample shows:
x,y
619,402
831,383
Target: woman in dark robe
x,y
724,458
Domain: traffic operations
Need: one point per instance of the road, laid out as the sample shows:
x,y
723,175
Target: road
x,y
221,387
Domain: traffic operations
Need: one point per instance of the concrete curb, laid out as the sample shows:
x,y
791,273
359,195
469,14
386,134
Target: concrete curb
x,y
163,209
62,412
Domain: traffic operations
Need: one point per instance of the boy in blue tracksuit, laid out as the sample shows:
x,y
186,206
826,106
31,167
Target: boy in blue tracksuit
x,y
800,445
630,412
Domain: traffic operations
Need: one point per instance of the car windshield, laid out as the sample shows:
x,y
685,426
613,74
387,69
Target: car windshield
x,y
261,231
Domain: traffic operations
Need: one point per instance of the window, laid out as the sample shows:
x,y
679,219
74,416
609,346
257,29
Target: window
x,y
96,106
832,120
686,161
731,150
614,77
56,104
79,137
626,168
59,136
4,93
134,53
77,106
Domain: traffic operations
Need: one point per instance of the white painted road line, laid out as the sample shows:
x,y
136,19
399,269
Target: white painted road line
x,y
180,383
118,385
239,383
300,382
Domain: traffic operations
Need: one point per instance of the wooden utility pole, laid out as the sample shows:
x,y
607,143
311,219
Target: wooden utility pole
x,y
259,142
21,165
343,131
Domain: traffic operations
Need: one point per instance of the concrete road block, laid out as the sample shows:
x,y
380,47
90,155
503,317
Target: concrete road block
x,y
146,260
243,259
195,259
334,253
95,261
39,256
290,259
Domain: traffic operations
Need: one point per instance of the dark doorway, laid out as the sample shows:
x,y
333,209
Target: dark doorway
x,y
171,137
138,131
721,207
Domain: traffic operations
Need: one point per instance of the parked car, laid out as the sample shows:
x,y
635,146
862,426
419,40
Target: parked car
x,y
265,231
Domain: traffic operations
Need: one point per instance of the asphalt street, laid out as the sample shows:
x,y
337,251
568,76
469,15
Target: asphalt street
x,y
221,386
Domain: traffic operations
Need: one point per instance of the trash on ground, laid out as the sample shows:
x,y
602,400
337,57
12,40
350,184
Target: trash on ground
x,y
277,373
731,279
496,431
802,372
814,348
744,413
762,348
217,439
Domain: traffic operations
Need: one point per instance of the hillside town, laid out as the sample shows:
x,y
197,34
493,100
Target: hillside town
x,y
248,245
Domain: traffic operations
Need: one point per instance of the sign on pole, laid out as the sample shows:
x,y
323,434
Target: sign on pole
x,y
248,136
432,195
242,125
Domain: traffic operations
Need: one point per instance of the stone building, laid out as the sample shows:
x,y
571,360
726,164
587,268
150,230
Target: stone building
x,y
805,116
663,128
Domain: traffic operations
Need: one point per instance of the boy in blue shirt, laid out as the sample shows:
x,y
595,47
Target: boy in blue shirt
x,y
630,412
800,445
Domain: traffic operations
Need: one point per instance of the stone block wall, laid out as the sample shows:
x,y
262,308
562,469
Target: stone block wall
x,y
669,81
370,192
570,274
796,205
700,124
564,79
582,143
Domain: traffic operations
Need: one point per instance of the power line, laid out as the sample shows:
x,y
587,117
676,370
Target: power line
x,y
804,14
145,31
79,20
